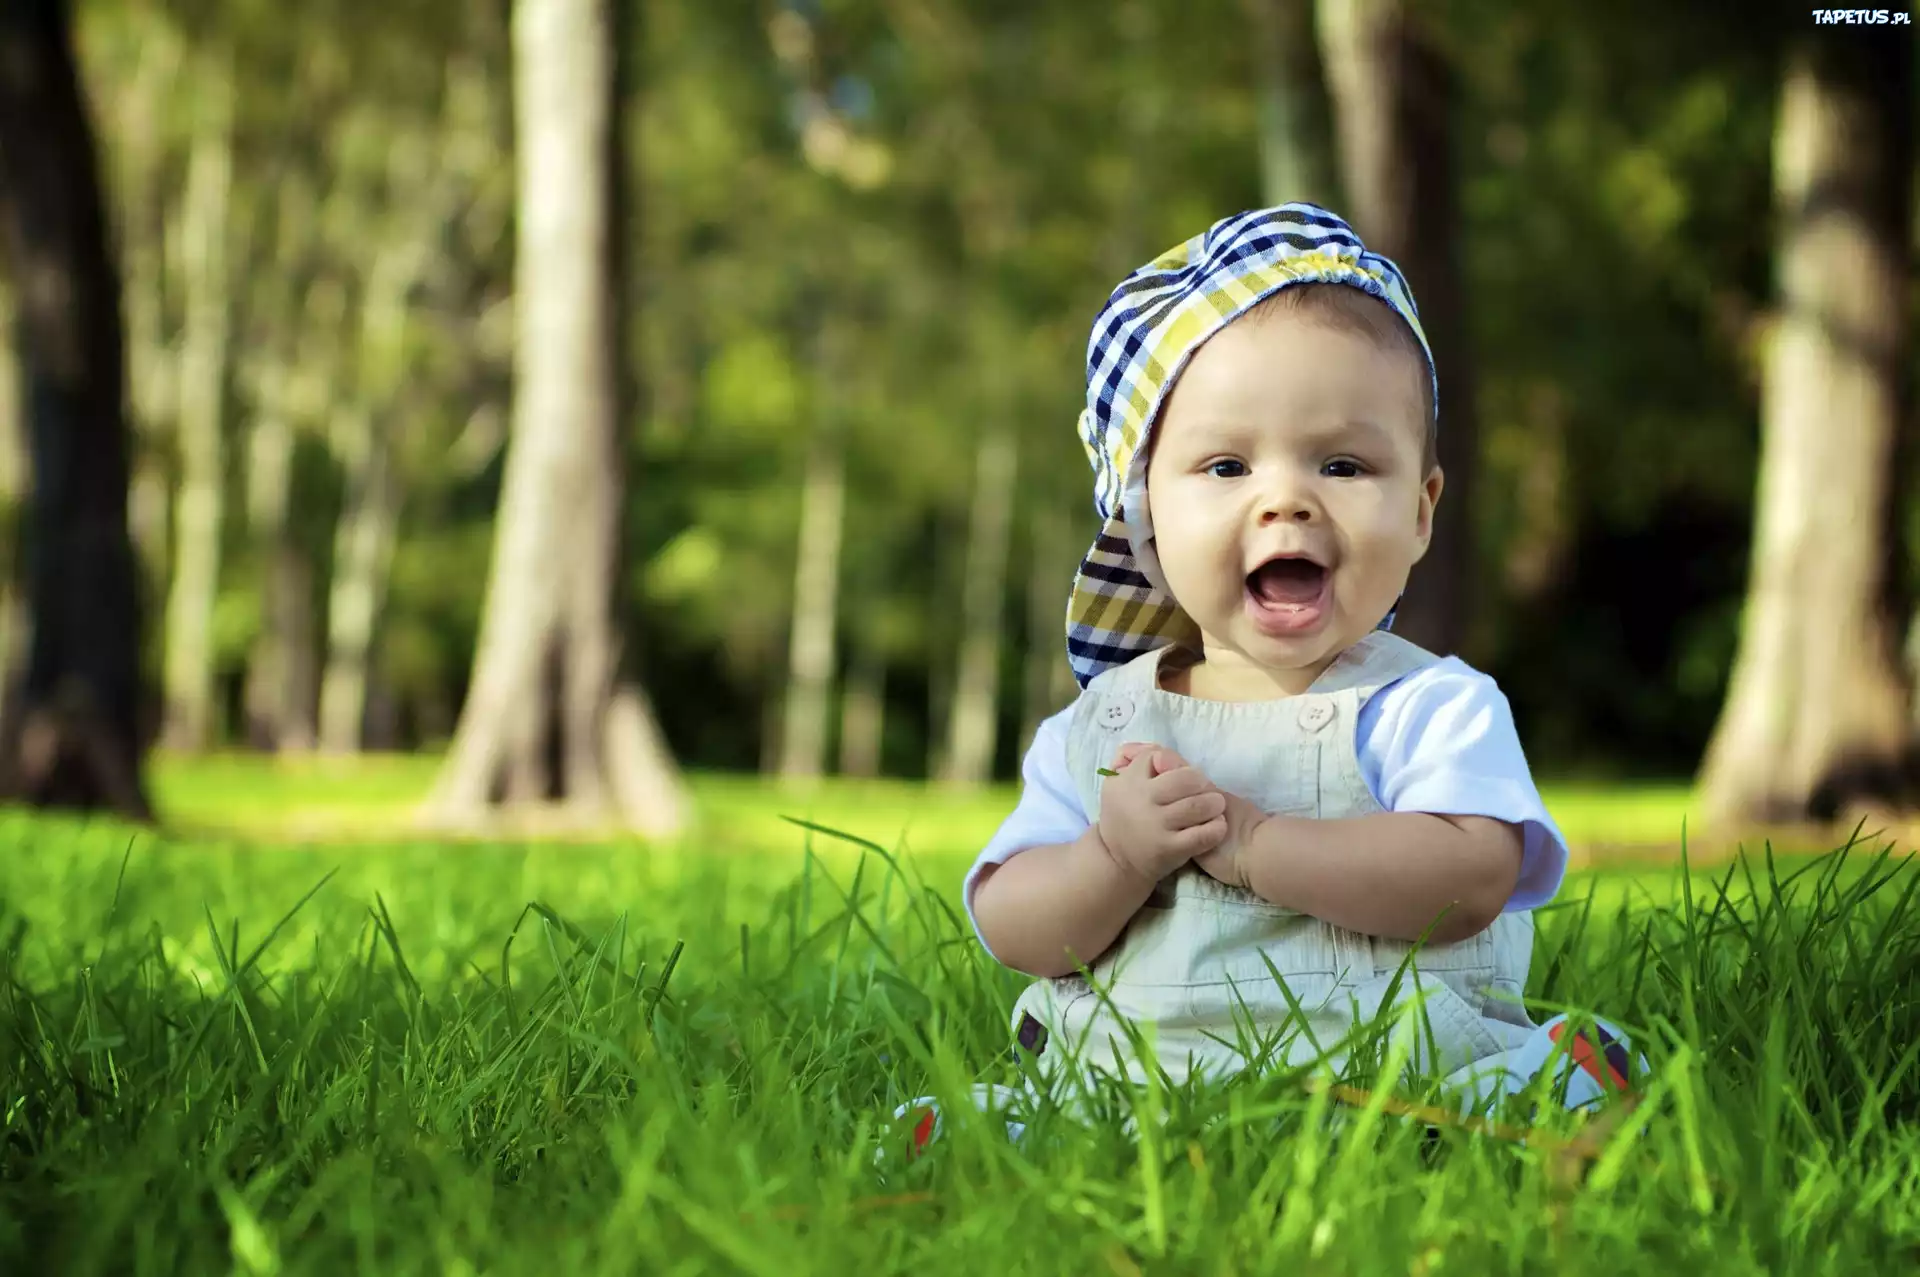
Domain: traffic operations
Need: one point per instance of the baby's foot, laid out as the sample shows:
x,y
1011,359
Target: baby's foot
x,y
925,1120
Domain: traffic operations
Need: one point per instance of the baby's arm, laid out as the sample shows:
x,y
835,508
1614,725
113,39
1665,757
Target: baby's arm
x,y
1047,894
1464,828
1051,909
1388,874
1053,891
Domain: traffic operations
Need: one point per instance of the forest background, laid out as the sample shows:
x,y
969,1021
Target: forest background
x,y
593,394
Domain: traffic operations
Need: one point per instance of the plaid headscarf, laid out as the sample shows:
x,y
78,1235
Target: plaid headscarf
x,y
1151,325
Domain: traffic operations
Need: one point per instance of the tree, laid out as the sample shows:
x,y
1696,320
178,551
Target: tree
x,y
137,64
810,660
1815,715
543,718
1052,556
1391,90
207,233
14,629
973,719
282,687
420,196
840,165
72,738
1296,133
362,559
993,216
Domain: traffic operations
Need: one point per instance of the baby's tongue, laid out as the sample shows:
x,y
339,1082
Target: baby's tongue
x,y
1288,581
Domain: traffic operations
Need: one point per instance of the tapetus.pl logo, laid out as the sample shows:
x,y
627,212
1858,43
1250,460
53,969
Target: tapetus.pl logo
x,y
1862,17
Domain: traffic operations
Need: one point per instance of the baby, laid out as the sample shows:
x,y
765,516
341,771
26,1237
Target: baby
x,y
1259,779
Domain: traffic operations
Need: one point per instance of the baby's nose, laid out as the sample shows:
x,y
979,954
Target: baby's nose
x,y
1286,497
1287,510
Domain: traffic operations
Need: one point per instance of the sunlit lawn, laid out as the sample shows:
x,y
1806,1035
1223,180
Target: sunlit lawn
x,y
373,801
682,1063
335,799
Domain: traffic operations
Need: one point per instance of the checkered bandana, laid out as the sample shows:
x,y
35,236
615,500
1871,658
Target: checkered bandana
x,y
1149,328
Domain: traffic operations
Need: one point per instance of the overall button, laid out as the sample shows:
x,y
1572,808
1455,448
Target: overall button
x,y
1116,713
1315,715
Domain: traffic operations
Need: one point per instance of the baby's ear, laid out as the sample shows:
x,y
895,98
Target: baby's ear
x,y
1430,491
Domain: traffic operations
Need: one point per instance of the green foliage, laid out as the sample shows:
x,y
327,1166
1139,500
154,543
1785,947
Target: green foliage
x,y
501,1058
952,186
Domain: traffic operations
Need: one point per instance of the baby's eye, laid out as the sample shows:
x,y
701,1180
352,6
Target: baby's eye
x,y
1234,469
1342,468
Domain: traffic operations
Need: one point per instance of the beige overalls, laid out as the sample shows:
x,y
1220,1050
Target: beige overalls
x,y
1196,957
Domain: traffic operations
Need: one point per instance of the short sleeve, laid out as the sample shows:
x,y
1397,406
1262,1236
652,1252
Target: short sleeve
x,y
1442,740
1049,809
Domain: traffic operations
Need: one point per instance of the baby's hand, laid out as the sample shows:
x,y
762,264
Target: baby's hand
x,y
1132,750
1226,862
1157,813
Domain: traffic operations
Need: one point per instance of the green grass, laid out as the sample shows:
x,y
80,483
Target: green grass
x,y
376,797
345,799
599,1059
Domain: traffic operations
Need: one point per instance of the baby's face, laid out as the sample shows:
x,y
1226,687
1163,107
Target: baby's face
x,y
1288,496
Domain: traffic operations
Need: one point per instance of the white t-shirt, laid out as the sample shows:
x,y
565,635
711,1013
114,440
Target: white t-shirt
x,y
1441,741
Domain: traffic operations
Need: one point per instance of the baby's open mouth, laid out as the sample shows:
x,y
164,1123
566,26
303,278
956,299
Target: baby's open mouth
x,y
1288,582
1289,597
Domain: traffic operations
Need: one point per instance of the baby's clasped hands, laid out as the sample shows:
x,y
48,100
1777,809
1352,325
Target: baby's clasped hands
x,y
1157,812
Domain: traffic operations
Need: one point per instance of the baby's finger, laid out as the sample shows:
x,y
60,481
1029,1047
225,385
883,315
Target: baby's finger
x,y
1181,782
1123,758
1197,840
1165,760
1195,810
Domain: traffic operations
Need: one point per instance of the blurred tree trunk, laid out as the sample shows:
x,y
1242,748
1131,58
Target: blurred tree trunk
x,y
365,535
1535,555
943,557
287,374
773,713
206,233
1049,578
863,708
14,494
362,563
974,717
1392,100
810,659
152,371
1296,128
1815,716
139,112
380,731
1913,670
73,738
545,717
424,195
281,689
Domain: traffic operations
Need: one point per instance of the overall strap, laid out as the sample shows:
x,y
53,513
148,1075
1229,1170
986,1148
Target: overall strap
x,y
1370,664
